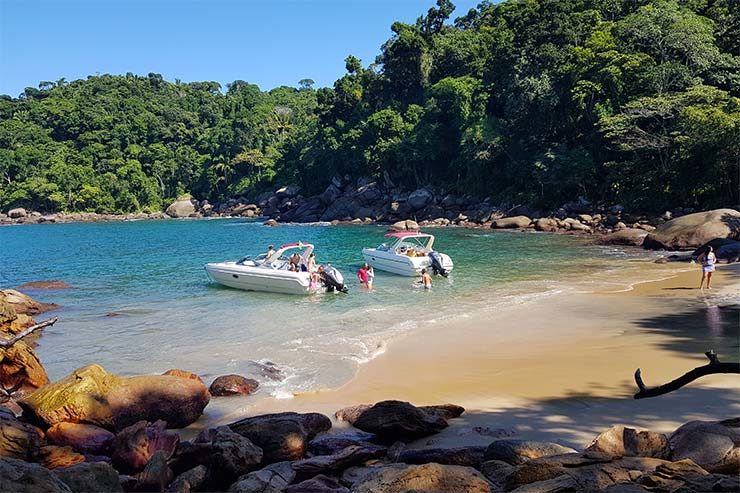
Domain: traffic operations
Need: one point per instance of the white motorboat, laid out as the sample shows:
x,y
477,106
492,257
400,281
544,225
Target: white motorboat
x,y
275,274
410,252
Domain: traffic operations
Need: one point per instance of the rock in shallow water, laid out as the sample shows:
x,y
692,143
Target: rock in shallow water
x,y
227,385
92,395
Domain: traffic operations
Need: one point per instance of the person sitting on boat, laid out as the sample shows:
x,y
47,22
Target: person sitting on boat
x,y
426,279
294,262
270,251
363,277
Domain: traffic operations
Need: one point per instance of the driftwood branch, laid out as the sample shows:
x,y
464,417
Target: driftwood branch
x,y
714,366
9,342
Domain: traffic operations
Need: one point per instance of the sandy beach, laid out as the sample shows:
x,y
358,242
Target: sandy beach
x,y
558,369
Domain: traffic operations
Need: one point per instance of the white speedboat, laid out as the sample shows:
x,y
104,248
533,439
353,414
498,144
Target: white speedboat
x,y
409,252
274,274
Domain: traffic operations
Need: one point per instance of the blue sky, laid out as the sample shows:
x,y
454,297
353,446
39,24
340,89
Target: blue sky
x,y
267,42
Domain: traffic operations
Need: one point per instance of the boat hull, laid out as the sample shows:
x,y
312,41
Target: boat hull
x,y
389,261
249,278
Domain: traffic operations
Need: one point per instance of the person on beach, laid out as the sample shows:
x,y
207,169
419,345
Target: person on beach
x,y
370,276
426,279
707,260
363,276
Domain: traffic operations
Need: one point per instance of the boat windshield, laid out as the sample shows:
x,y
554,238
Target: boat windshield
x,y
419,245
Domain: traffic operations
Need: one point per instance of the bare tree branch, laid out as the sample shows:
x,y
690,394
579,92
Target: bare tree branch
x,y
9,342
714,366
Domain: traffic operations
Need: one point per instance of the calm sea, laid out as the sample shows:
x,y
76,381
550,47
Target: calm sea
x,y
140,300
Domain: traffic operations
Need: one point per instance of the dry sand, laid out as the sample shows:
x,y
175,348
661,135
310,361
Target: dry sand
x,y
557,369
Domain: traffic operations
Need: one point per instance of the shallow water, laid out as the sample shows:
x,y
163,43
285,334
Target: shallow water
x,y
141,301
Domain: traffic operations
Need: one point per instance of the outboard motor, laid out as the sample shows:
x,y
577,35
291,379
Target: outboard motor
x,y
333,280
436,259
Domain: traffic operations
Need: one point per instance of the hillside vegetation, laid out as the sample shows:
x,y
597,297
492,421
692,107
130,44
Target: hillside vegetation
x,y
531,101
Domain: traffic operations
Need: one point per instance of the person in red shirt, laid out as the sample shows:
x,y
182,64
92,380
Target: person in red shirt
x,y
363,277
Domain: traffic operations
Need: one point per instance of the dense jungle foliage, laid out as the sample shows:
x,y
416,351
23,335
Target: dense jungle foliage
x,y
528,101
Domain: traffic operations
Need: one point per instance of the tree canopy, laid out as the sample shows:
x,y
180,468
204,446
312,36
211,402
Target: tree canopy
x,y
528,101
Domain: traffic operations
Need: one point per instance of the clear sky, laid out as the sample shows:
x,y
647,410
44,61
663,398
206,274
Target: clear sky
x,y
267,42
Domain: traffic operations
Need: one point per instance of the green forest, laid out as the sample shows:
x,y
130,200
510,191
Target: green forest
x,y
530,101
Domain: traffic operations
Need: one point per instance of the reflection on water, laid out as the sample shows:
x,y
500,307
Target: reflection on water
x,y
150,275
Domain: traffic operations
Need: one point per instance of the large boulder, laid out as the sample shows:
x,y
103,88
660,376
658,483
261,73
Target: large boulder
x,y
181,208
88,439
19,440
429,478
97,476
626,236
547,224
24,477
621,441
714,445
515,222
17,213
520,451
282,436
694,230
394,420
418,199
92,395
407,225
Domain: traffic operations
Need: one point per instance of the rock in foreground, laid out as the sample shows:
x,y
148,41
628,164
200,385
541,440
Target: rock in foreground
x,y
92,395
429,478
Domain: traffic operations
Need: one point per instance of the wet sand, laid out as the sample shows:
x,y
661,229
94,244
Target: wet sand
x,y
560,368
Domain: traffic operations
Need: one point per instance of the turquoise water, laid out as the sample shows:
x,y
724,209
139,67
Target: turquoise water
x,y
140,301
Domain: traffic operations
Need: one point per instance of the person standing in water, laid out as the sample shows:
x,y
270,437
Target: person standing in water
x,y
370,276
707,260
363,277
426,279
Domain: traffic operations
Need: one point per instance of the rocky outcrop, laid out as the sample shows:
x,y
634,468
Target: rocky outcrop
x,y
694,230
437,478
92,395
520,451
22,304
516,222
181,208
394,420
233,385
282,436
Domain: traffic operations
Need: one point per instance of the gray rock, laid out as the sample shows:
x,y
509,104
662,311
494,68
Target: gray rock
x,y
418,199
325,464
97,476
714,445
181,208
274,478
189,481
17,213
18,476
232,454
520,451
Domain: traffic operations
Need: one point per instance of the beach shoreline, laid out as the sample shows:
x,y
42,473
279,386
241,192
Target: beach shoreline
x,y
560,367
